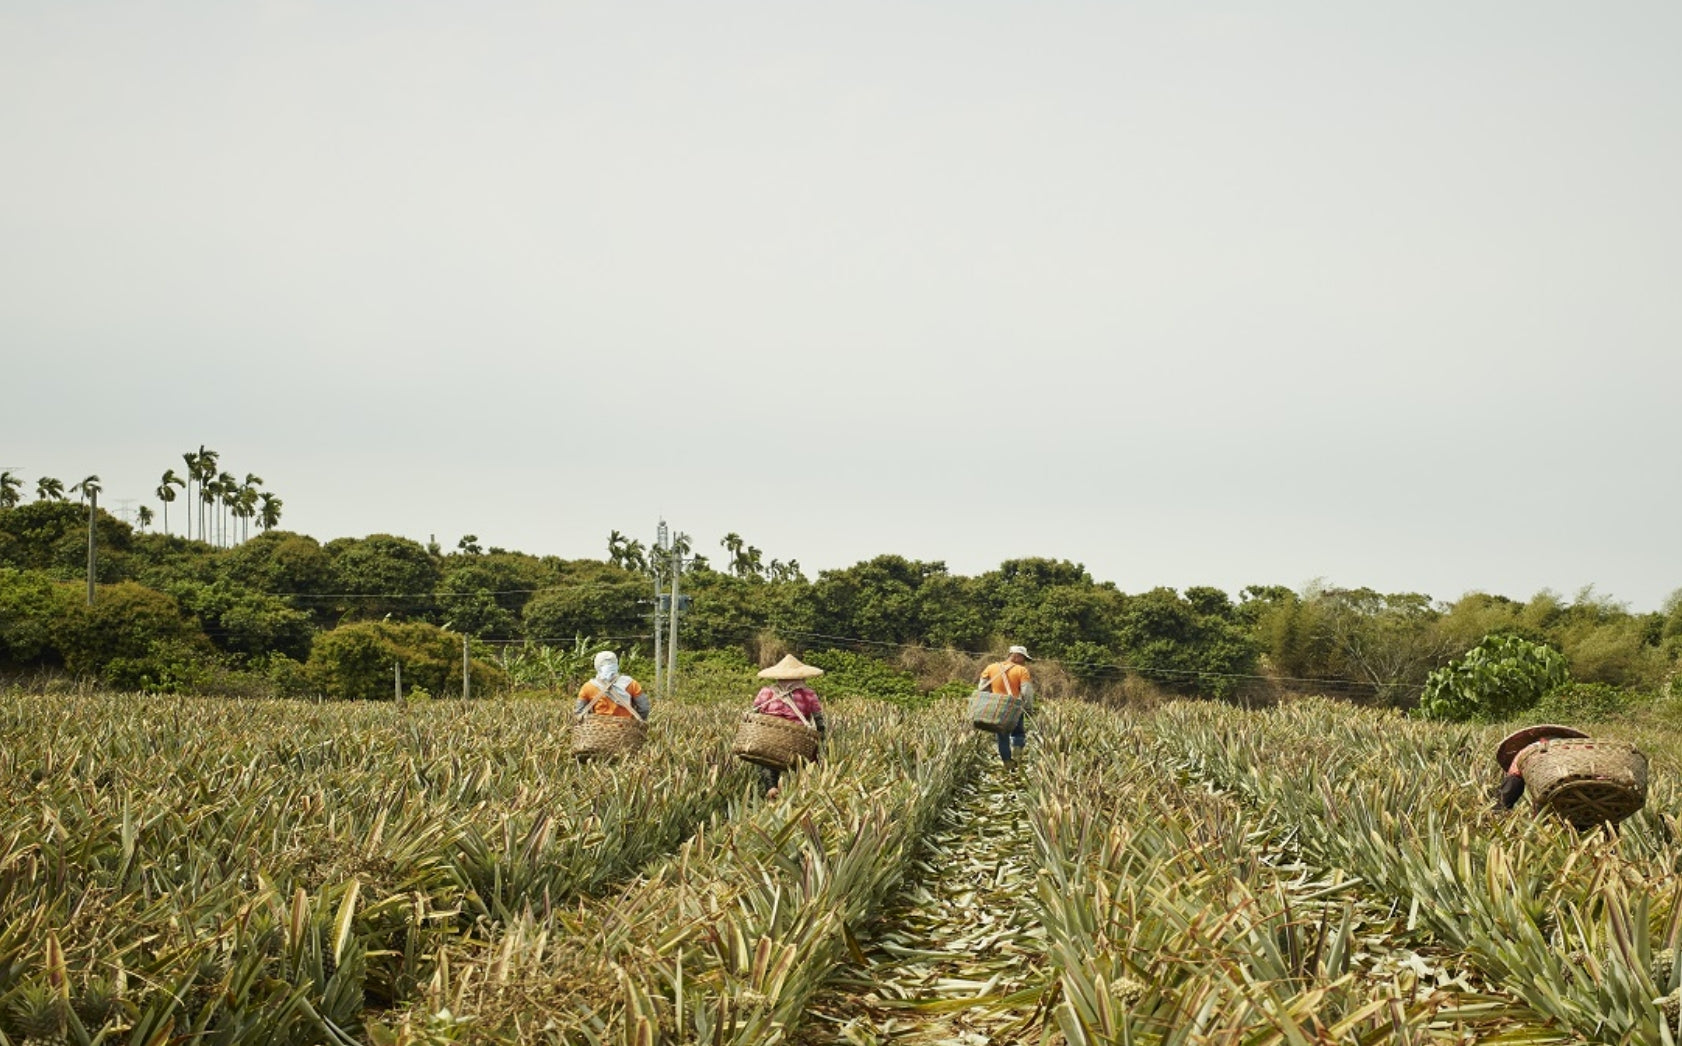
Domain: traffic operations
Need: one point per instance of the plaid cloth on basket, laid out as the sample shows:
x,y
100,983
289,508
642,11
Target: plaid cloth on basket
x,y
996,712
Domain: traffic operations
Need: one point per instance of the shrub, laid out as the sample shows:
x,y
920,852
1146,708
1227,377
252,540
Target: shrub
x,y
847,672
356,661
606,608
31,605
1175,644
1500,677
1584,702
167,666
245,621
132,633
382,576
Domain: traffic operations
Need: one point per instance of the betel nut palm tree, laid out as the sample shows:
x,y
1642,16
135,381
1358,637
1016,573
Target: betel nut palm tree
x,y
191,460
202,467
49,489
9,487
245,508
268,516
246,499
227,496
166,492
88,488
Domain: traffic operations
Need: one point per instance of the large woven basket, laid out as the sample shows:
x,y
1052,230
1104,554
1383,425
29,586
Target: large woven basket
x,y
1587,782
996,713
772,741
607,736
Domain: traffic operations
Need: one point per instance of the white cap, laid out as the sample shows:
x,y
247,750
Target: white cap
x,y
1023,651
605,656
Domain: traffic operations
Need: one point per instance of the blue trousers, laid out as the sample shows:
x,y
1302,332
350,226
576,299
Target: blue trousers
x,y
1015,739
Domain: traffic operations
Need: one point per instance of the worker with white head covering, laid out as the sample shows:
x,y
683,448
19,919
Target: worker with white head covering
x,y
611,693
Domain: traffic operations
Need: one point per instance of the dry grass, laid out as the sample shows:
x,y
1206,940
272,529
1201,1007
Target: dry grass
x,y
766,648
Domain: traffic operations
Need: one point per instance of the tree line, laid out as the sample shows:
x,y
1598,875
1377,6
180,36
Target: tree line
x,y
176,613
226,505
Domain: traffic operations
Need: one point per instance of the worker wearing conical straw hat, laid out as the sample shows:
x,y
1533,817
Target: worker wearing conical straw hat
x,y
1514,749
611,693
1011,676
788,697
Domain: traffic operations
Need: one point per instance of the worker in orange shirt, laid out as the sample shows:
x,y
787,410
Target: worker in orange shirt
x,y
1011,676
610,693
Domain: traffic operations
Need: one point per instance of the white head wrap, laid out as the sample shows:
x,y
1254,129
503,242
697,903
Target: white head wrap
x,y
607,667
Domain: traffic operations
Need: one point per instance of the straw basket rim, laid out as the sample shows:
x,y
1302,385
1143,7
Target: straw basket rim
x,y
594,736
772,741
1587,782
1521,739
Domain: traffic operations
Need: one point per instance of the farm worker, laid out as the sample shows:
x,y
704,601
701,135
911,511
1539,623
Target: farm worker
x,y
788,697
1514,749
610,693
1010,676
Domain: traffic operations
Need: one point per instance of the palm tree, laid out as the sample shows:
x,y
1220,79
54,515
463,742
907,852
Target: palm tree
x,y
205,466
9,487
49,489
245,507
248,501
207,493
144,516
227,492
88,488
616,548
192,463
166,492
745,560
269,515
732,543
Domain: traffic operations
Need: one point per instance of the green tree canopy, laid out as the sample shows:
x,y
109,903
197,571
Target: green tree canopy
x,y
382,575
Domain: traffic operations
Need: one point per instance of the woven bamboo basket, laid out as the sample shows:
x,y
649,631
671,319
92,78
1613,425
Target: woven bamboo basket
x,y
607,736
1587,782
772,741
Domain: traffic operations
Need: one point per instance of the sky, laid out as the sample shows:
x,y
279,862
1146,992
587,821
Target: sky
x,y
1192,294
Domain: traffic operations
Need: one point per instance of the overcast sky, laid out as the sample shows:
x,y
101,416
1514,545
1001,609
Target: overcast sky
x,y
1220,294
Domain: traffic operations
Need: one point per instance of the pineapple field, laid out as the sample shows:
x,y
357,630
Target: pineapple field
x,y
178,870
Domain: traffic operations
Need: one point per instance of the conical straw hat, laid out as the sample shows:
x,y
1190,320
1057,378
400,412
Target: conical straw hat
x,y
1521,739
790,667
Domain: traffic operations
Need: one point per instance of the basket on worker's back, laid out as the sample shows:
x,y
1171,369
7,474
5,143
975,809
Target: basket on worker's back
x,y
998,713
772,741
607,736
1587,782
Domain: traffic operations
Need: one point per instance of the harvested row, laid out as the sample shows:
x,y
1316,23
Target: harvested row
x,y
1176,916
267,871
727,940
957,956
1580,928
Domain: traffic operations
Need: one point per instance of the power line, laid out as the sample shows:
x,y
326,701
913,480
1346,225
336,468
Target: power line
x,y
1120,666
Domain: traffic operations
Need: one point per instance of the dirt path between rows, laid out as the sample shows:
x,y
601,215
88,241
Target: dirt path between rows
x,y
958,956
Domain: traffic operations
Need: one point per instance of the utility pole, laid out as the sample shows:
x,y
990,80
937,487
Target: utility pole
x,y
397,668
659,564
93,564
466,670
671,645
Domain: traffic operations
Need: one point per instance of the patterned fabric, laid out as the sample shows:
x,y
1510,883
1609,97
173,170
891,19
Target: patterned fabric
x,y
999,712
769,702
